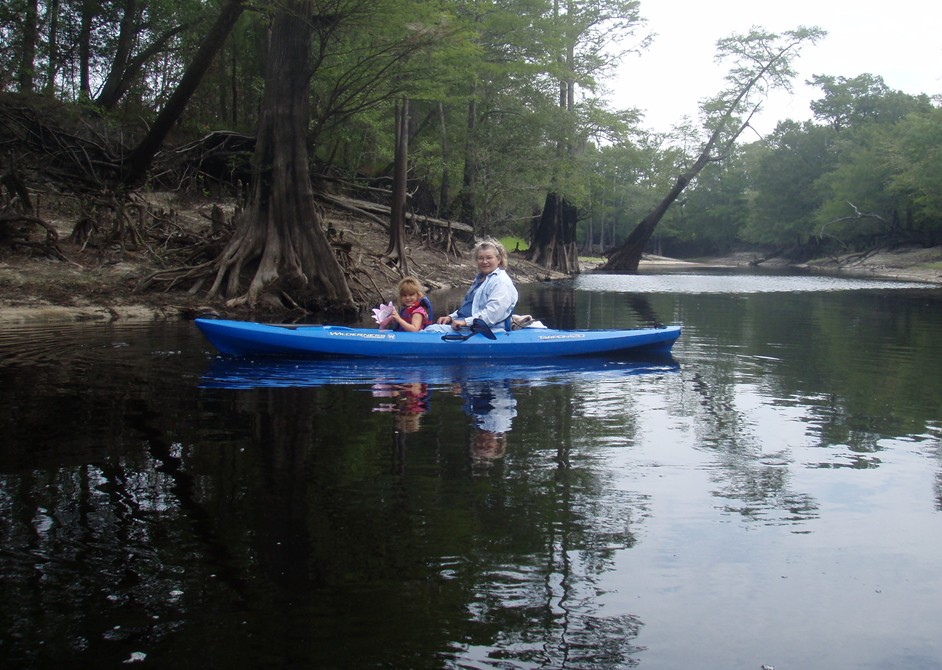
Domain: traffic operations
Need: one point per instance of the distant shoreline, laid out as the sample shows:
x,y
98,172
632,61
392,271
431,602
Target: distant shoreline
x,y
39,300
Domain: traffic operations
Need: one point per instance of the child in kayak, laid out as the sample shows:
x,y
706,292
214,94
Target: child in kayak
x,y
415,309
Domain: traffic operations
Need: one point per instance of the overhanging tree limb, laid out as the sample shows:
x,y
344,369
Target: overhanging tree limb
x,y
763,62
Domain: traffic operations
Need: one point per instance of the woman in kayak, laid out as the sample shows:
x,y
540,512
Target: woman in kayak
x,y
415,310
492,296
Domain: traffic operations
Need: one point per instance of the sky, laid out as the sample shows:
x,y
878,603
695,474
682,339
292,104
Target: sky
x,y
900,41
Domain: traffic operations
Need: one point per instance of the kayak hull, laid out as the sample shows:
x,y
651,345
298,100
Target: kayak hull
x,y
245,338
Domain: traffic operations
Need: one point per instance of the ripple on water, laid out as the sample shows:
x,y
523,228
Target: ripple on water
x,y
38,345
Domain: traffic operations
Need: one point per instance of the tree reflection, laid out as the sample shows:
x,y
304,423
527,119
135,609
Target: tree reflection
x,y
753,482
546,531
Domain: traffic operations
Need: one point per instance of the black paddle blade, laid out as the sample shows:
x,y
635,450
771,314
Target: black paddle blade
x,y
477,327
480,327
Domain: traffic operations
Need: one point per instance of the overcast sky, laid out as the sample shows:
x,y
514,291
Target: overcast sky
x,y
900,41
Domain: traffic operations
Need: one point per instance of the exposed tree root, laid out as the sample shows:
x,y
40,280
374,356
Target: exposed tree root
x,y
15,232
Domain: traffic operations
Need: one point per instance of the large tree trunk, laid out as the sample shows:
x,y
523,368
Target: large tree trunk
x,y
279,235
627,256
554,240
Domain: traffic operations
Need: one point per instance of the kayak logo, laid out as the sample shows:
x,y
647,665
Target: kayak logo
x,y
363,336
566,336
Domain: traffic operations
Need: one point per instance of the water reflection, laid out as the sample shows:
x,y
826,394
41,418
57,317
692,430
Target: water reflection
x,y
492,408
408,401
156,499
405,389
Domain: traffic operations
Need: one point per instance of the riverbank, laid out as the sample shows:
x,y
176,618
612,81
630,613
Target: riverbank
x,y
918,264
102,284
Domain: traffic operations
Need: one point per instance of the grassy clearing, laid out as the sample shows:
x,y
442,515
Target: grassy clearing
x,y
512,244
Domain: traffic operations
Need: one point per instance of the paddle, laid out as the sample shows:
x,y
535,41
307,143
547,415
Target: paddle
x,y
477,327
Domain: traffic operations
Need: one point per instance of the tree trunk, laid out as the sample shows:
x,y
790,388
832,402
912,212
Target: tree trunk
x,y
85,49
554,243
110,91
143,155
554,240
52,66
396,249
280,235
27,69
466,213
626,257
126,69
443,194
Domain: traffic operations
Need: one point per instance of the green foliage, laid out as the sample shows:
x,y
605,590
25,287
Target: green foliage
x,y
916,161
783,177
863,99
709,219
881,186
861,177
507,103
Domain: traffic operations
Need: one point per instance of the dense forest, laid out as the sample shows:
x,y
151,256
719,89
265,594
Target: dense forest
x,y
490,113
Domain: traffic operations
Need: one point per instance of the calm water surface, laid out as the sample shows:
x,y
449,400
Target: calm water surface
x,y
771,494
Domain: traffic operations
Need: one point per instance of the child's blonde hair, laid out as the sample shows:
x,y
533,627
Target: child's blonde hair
x,y
410,286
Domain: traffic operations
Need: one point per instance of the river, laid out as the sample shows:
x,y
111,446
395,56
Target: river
x,y
770,494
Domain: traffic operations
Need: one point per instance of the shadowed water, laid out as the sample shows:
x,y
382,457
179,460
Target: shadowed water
x,y
770,494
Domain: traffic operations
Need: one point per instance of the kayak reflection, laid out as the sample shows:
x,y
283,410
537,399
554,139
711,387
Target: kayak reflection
x,y
245,373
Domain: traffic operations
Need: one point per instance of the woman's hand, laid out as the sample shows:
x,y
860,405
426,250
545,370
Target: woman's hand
x,y
443,320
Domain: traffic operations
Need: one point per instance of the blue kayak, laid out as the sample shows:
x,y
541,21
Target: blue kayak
x,y
245,338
